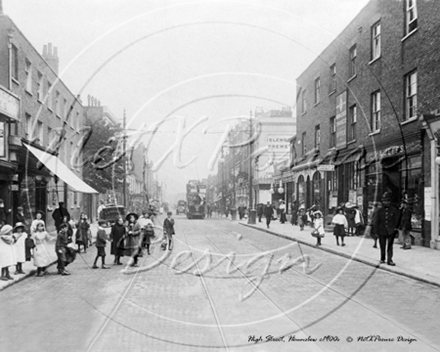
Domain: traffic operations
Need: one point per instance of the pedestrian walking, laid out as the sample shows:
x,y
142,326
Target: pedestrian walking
x,y
282,208
82,232
7,254
405,225
268,213
19,246
66,221
340,225
373,231
132,240
318,225
61,249
58,215
19,217
38,219
294,218
168,229
3,212
350,214
386,222
117,235
101,242
42,258
260,211
302,218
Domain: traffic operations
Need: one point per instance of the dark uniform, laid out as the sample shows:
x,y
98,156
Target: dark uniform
x,y
386,222
268,213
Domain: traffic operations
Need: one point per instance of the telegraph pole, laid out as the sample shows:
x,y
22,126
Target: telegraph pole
x,y
251,212
124,185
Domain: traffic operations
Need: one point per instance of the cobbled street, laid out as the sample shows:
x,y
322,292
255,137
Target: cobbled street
x,y
169,308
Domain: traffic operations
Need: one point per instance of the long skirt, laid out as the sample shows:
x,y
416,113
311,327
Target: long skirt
x,y
7,254
43,256
20,251
339,230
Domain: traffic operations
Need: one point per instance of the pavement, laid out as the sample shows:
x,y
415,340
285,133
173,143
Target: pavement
x,y
418,263
30,269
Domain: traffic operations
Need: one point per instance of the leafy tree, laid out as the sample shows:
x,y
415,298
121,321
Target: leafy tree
x,y
101,171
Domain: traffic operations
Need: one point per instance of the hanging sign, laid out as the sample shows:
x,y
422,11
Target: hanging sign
x,y
341,120
326,167
9,104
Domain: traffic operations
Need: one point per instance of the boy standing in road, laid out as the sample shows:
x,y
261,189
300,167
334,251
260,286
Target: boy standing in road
x,y
101,241
168,228
61,249
268,213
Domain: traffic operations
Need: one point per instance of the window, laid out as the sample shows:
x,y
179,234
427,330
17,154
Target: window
x,y
303,102
332,132
58,103
317,136
14,62
49,96
303,144
317,90
375,112
352,68
352,123
49,136
332,87
13,127
28,70
411,16
375,41
40,87
411,95
40,132
28,126
352,175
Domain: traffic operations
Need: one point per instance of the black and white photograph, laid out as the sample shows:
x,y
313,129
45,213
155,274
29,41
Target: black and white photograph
x,y
219,175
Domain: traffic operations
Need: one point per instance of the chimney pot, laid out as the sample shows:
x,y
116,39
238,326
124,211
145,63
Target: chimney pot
x,y
1,7
44,49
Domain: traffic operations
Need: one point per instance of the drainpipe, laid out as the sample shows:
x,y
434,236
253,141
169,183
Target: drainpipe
x,y
434,191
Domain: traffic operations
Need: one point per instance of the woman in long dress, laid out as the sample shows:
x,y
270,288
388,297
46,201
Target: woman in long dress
x,y
7,254
117,235
42,254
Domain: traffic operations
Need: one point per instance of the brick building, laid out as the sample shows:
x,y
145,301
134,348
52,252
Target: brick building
x,y
41,132
360,106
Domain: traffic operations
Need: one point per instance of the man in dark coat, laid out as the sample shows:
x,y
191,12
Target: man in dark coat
x,y
294,218
58,215
3,213
268,213
386,222
19,217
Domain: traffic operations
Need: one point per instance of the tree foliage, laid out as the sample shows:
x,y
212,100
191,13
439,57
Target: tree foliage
x,y
100,172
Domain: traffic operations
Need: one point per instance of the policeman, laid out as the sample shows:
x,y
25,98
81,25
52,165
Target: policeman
x,y
386,223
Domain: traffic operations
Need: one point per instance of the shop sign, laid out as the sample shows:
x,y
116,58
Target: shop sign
x,y
14,187
326,167
9,104
341,120
428,203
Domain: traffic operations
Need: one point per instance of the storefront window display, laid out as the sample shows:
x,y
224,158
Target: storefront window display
x,y
301,190
317,188
411,176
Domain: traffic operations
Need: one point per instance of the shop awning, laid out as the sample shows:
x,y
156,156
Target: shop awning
x,y
57,167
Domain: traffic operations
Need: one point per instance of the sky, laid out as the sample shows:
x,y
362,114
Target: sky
x,y
186,60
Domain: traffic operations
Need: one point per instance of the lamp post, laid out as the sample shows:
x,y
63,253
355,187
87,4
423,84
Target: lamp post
x,y
252,212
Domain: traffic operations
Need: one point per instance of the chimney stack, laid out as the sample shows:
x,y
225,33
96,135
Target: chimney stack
x,y
51,56
1,7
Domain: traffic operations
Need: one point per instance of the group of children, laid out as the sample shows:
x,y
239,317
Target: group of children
x,y
17,246
339,221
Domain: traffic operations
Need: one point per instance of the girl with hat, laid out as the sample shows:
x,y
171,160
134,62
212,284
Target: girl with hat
x,y
340,222
133,236
42,259
82,232
318,224
38,219
7,254
19,246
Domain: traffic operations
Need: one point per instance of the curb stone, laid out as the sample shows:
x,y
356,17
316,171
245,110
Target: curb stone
x,y
366,261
